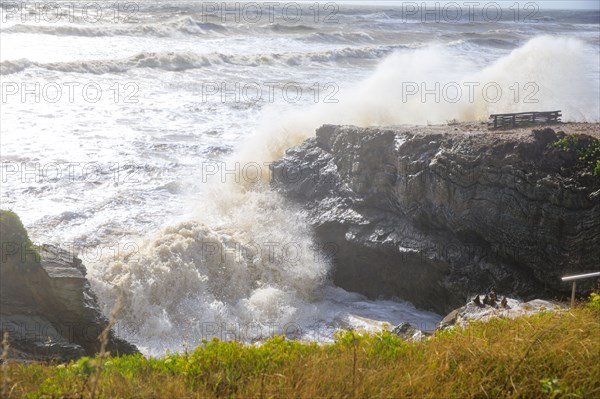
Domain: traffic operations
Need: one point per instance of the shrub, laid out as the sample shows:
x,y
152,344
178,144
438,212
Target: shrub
x,y
585,148
594,302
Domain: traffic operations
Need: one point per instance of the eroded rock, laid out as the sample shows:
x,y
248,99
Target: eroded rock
x,y
46,303
432,216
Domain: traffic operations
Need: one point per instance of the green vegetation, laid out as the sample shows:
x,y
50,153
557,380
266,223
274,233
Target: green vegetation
x,y
12,229
587,150
15,240
594,303
548,355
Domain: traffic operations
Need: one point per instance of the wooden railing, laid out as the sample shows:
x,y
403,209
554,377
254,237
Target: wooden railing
x,y
498,121
574,280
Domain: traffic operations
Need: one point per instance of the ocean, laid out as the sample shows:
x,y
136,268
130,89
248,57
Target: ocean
x,y
138,136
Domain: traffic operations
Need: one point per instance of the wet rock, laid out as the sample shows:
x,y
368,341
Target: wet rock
x,y
408,332
450,318
46,303
514,308
487,300
493,297
34,337
430,216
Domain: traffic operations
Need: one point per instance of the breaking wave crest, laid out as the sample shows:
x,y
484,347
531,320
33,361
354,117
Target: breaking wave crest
x,y
185,25
181,61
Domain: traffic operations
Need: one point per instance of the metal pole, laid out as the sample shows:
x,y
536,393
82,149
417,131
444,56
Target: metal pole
x,y
574,280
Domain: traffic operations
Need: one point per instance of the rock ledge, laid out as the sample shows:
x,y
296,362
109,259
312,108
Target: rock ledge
x,y
434,215
46,304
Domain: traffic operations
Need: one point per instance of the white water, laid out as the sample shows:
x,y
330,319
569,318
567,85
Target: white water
x,y
193,255
531,77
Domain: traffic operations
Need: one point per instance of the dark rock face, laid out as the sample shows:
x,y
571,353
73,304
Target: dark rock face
x,y
46,304
433,217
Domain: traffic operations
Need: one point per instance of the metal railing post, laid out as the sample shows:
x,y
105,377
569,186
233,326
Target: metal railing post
x,y
574,280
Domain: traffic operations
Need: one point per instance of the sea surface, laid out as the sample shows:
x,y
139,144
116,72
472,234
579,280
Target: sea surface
x,y
138,135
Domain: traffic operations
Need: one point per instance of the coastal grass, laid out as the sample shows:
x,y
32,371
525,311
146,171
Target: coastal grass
x,y
547,355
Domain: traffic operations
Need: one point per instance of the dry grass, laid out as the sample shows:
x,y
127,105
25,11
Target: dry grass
x,y
548,355
103,338
5,351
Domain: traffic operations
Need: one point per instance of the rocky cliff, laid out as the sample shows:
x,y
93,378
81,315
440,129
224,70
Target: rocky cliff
x,y
46,304
432,215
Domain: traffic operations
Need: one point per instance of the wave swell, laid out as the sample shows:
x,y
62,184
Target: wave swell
x,y
186,25
181,61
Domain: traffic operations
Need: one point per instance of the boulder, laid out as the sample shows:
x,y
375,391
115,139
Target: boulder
x,y
408,332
